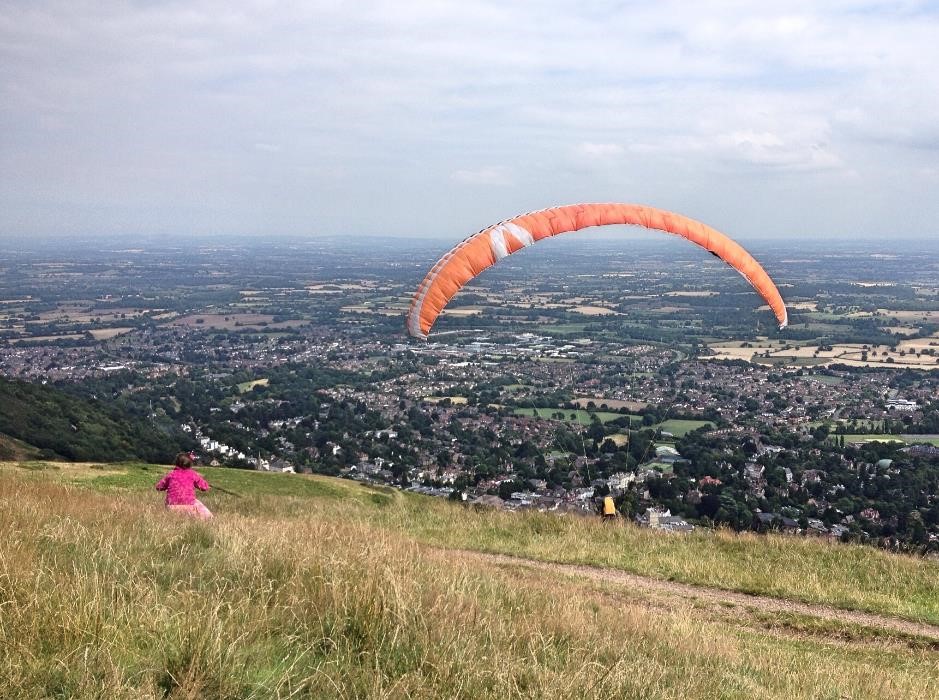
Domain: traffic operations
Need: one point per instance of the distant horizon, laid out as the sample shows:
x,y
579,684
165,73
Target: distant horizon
x,y
635,234
580,244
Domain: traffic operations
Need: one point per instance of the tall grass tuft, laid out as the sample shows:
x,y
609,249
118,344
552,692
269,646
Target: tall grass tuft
x,y
107,595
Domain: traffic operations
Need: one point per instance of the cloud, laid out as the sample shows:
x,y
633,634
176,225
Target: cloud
x,y
194,114
769,149
492,175
599,150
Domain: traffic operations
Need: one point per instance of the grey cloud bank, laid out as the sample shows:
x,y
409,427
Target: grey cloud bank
x,y
435,118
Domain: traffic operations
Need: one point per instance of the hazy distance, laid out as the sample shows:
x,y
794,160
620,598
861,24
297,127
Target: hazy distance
x,y
197,118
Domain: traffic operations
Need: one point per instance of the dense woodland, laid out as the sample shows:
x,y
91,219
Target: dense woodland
x,y
83,428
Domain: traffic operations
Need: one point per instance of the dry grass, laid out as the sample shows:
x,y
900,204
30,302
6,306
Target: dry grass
x,y
848,354
106,595
850,577
108,333
593,310
232,321
245,387
464,311
611,403
456,400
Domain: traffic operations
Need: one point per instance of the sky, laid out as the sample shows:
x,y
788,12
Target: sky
x,y
426,118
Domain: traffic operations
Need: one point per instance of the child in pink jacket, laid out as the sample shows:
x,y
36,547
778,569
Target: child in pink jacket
x,y
180,486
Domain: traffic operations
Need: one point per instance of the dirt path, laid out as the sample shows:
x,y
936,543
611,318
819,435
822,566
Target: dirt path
x,y
719,596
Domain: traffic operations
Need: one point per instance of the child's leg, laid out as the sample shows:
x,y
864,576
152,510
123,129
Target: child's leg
x,y
200,510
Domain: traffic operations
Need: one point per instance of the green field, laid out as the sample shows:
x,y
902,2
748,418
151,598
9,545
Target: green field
x,y
784,360
245,387
822,316
675,426
562,328
583,416
825,379
660,467
821,327
679,427
309,587
868,425
869,437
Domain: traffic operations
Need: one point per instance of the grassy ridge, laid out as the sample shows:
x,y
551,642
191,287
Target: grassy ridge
x,y
328,592
847,576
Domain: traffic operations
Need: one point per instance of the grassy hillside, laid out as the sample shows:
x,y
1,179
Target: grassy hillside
x,y
76,428
313,587
16,450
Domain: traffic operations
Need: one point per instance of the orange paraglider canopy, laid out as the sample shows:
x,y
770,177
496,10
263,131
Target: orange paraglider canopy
x,y
484,249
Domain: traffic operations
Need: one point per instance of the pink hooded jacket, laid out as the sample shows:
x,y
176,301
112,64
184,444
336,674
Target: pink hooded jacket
x,y
180,485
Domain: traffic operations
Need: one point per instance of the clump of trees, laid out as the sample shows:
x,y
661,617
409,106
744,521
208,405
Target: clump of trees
x,y
82,429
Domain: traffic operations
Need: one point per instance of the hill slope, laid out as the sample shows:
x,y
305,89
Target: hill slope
x,y
312,587
74,428
16,450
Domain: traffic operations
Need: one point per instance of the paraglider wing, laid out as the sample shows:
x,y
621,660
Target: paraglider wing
x,y
484,249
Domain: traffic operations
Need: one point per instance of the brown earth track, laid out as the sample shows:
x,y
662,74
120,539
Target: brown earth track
x,y
719,596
